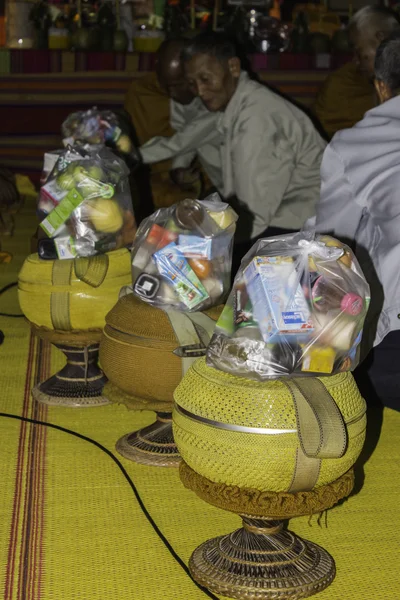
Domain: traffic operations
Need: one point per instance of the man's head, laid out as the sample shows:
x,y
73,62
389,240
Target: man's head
x,y
367,29
212,69
387,68
169,70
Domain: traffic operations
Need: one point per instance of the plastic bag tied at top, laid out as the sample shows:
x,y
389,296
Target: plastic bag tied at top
x,y
297,308
93,127
85,204
182,255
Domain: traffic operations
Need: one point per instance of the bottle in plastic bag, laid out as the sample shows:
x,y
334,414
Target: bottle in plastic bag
x,y
182,255
297,308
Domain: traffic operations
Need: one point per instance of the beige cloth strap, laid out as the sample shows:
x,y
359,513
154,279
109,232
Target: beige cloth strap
x,y
306,473
59,301
205,325
193,342
321,430
92,271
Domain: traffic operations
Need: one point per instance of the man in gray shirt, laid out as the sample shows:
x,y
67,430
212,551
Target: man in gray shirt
x,y
271,151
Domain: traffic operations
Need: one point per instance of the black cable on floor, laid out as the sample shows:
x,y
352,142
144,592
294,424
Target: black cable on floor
x,y
146,513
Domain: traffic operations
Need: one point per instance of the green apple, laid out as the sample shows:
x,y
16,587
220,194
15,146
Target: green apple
x,y
66,181
79,172
96,173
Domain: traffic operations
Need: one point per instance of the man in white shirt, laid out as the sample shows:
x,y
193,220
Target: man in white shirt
x,y
271,151
360,204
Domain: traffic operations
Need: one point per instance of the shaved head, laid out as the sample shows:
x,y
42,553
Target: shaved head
x,y
170,71
367,29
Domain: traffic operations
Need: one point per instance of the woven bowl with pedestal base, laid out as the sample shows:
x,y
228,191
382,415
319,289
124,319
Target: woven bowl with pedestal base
x,y
66,302
268,452
144,353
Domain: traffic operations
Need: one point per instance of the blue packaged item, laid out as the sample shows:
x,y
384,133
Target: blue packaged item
x,y
174,268
277,298
194,246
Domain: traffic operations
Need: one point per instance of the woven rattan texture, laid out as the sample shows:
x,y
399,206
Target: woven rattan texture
x,y
265,462
139,371
87,305
136,352
114,394
70,526
222,397
138,318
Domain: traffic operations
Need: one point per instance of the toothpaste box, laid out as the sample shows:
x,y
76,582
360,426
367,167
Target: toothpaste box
x,y
175,269
278,301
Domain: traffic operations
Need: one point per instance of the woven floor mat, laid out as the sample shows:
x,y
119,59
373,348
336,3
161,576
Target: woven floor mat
x,y
71,527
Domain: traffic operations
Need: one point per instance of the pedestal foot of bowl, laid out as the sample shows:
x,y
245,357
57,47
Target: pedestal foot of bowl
x,y
262,561
153,445
79,384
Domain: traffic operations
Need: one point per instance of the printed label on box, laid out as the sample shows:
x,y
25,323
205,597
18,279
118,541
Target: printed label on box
x,y
61,213
193,246
173,266
279,305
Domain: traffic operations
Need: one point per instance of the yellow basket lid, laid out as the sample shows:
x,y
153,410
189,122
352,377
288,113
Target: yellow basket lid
x,y
135,317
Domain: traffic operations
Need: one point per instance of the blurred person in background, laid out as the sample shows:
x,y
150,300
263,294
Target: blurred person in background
x,y
349,93
173,130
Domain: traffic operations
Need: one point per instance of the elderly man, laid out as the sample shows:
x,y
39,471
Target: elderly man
x,y
349,92
185,130
360,203
270,153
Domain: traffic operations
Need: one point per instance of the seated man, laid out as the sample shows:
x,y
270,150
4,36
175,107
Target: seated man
x,y
348,93
271,152
360,203
180,128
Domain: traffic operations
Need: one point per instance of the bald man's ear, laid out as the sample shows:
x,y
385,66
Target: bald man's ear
x,y
234,67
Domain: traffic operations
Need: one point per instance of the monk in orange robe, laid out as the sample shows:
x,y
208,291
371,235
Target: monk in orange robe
x,y
148,104
348,93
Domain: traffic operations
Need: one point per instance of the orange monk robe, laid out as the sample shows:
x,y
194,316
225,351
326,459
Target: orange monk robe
x,y
344,98
149,107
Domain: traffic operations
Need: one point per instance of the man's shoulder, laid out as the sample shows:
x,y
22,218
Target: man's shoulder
x,y
369,139
257,95
147,85
348,70
347,77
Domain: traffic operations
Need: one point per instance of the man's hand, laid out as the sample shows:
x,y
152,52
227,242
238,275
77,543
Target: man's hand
x,y
187,179
123,143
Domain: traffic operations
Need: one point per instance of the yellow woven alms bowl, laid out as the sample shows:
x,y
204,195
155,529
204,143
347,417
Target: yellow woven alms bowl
x,y
210,403
66,302
137,353
46,288
140,354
